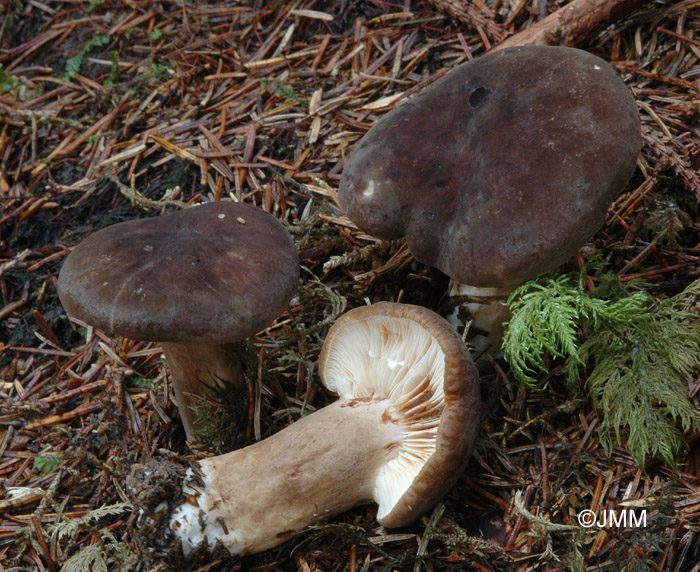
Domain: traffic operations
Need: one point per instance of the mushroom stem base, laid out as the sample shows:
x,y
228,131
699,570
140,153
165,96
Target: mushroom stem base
x,y
208,383
487,311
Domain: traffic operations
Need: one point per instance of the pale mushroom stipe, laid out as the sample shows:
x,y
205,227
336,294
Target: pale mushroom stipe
x,y
399,434
498,172
197,281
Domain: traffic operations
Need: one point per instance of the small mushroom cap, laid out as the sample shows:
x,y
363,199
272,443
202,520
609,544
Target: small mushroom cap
x,y
413,358
215,273
502,169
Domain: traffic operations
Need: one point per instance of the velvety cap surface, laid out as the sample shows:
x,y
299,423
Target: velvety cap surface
x,y
211,273
503,168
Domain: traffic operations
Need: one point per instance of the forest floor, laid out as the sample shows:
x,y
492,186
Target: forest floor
x,y
111,111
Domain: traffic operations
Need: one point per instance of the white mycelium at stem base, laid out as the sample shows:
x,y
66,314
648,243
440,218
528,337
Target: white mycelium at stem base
x,y
399,434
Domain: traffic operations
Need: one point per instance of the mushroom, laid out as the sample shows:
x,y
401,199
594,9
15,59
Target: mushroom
x,y
197,281
400,434
499,171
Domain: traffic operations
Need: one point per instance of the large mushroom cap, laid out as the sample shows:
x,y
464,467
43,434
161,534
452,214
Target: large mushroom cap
x,y
211,273
412,358
502,169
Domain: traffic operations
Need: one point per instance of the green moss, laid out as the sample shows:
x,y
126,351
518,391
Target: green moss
x,y
633,355
74,64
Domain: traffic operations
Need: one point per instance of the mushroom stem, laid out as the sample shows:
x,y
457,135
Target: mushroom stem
x,y
258,497
206,377
487,310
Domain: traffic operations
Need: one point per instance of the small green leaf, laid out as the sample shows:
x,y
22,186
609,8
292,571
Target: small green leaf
x,y
7,82
159,71
46,464
74,64
143,382
114,74
94,6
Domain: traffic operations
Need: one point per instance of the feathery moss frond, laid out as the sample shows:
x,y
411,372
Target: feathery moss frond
x,y
74,64
98,556
73,526
636,357
639,377
546,318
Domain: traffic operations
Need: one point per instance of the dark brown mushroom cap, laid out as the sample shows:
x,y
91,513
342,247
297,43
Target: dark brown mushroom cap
x,y
503,168
212,273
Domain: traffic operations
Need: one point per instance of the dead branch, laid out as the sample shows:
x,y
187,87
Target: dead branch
x,y
570,25
574,23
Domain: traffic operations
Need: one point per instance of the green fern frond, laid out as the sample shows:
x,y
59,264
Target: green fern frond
x,y
532,308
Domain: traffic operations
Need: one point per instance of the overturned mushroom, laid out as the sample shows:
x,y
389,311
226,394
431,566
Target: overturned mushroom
x,y
400,434
499,171
197,281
